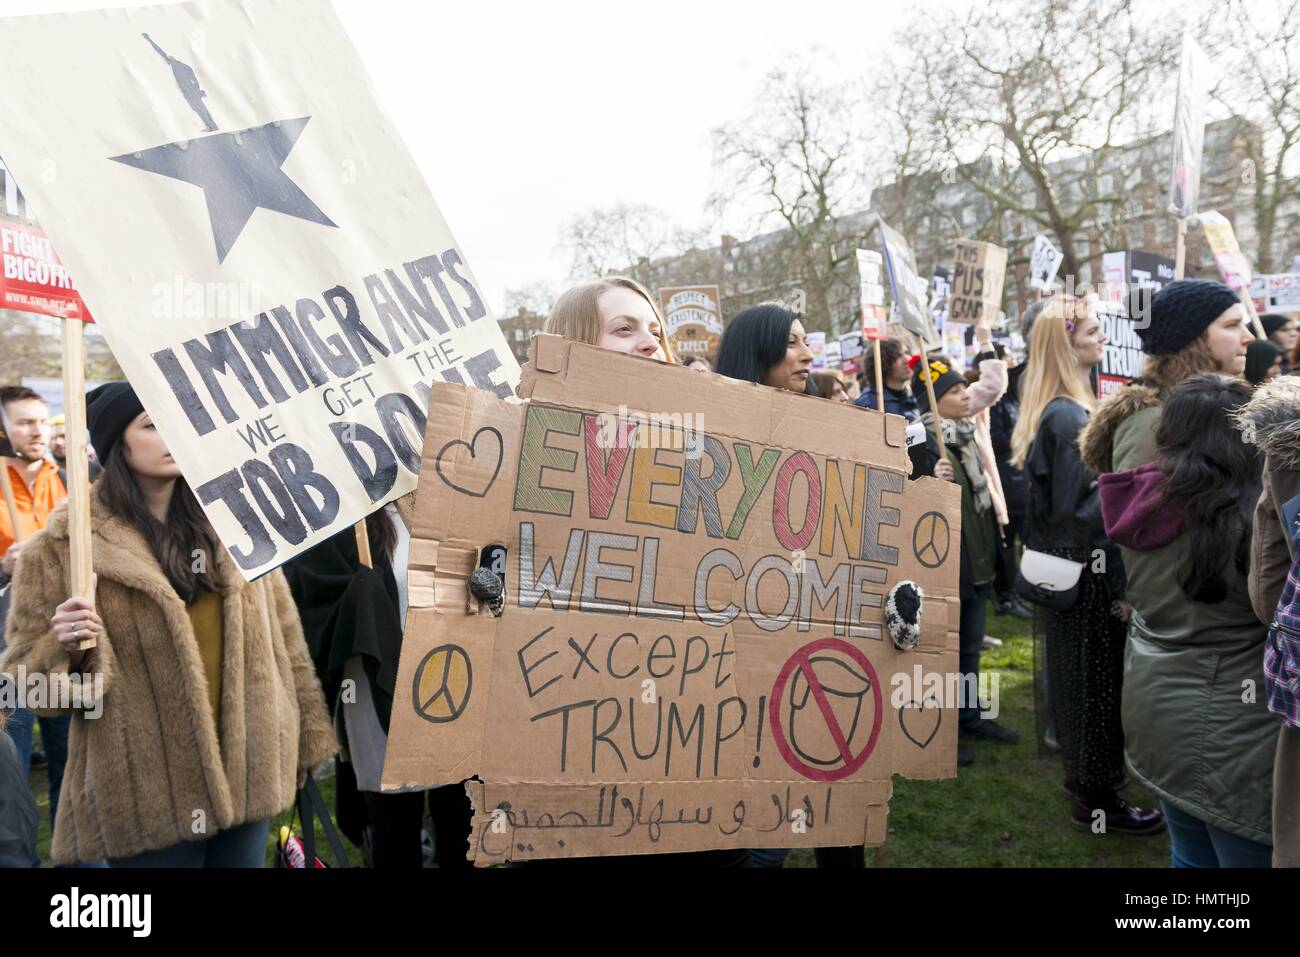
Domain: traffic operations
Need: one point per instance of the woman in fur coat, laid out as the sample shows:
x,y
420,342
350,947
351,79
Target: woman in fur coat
x,y
200,712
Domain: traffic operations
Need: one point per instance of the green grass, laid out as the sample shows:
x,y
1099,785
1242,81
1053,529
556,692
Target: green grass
x,y
1006,810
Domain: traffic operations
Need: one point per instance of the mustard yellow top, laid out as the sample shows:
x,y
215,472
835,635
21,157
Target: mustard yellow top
x,y
206,617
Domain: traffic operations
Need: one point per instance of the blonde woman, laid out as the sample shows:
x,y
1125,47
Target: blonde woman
x,y
614,313
1084,643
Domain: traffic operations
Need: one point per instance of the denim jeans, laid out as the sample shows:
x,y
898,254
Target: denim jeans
x,y
242,846
1194,843
54,737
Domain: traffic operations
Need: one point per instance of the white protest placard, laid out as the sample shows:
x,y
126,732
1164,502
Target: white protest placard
x,y
1044,263
1189,129
258,248
871,293
907,289
1278,291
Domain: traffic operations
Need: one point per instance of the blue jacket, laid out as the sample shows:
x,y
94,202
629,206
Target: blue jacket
x,y
897,401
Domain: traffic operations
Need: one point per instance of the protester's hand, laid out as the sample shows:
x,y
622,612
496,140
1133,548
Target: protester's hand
x,y
1125,610
943,470
10,559
75,620
303,775
984,333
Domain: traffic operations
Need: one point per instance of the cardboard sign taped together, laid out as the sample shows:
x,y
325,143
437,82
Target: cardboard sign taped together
x,y
258,248
979,270
692,653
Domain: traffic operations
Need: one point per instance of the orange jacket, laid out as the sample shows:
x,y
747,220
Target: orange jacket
x,y
34,505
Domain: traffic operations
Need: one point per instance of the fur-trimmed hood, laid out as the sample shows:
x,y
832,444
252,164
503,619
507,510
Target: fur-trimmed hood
x,y
1271,420
1097,440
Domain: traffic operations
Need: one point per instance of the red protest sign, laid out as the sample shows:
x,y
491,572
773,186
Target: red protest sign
x,y
32,279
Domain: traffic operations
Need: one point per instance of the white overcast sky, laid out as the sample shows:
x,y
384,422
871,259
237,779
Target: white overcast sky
x,y
522,114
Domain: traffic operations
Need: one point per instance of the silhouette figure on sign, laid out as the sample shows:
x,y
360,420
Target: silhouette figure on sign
x,y
239,171
188,81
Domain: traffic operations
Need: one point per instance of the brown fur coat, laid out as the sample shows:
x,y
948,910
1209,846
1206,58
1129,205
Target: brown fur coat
x,y
152,770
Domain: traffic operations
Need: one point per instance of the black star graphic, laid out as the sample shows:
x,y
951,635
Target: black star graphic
x,y
238,172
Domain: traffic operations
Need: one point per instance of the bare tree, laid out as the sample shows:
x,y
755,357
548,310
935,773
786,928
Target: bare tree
x,y
623,239
1045,92
535,297
796,163
1261,84
31,346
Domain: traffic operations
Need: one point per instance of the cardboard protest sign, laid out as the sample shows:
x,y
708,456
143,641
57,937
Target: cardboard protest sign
x,y
1131,279
692,652
32,279
871,293
1044,263
694,318
906,288
1279,292
258,248
977,276
1189,129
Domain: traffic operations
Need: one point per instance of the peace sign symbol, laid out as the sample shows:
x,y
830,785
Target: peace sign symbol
x,y
930,539
442,684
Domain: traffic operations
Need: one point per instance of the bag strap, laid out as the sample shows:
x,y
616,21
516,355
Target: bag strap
x,y
309,799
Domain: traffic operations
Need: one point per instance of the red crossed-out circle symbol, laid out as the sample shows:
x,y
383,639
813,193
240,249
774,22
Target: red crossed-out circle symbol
x,y
802,660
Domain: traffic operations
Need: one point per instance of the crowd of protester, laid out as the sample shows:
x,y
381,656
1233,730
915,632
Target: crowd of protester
x,y
1168,509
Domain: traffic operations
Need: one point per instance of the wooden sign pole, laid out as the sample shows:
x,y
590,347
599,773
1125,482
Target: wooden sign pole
x,y
880,380
363,543
80,569
1180,248
934,405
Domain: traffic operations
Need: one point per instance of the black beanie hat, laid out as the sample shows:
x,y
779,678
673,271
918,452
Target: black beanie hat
x,y
1273,322
109,410
1181,311
940,373
1260,356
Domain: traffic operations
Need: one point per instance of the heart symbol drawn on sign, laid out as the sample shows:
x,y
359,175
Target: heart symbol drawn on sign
x,y
918,708
493,448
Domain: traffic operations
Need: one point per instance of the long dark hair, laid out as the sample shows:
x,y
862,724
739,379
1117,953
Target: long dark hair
x,y
755,341
382,536
184,544
1214,474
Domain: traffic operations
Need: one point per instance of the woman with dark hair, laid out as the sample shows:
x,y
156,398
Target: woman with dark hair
x,y
200,713
353,618
766,344
1194,643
